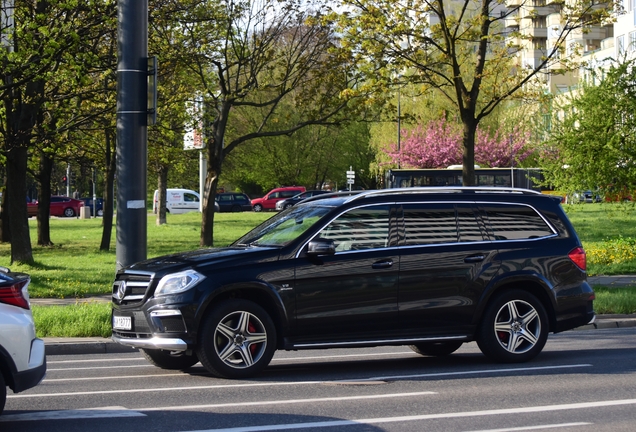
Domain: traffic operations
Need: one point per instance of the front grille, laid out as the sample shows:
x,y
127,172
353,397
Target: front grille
x,y
131,288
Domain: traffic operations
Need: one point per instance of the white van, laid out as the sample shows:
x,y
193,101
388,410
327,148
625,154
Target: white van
x,y
178,201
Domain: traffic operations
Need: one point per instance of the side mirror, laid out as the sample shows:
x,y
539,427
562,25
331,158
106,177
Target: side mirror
x,y
321,247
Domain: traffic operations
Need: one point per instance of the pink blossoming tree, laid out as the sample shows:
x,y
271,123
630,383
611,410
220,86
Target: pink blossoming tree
x,y
439,145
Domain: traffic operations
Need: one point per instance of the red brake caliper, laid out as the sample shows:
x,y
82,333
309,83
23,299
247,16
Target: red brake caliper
x,y
251,329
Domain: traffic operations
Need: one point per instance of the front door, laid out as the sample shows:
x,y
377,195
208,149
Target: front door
x,y
353,292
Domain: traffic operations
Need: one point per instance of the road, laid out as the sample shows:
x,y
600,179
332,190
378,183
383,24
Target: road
x,y
583,381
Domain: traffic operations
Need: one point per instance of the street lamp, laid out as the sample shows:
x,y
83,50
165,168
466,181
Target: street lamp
x,y
512,163
398,127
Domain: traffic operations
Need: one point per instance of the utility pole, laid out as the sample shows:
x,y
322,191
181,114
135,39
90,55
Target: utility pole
x,y
132,136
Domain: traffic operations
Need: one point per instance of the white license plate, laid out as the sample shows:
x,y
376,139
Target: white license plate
x,y
122,323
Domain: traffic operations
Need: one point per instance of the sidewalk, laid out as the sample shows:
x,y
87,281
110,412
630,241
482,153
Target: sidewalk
x,y
96,345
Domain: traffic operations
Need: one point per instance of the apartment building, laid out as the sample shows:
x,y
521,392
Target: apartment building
x,y
538,24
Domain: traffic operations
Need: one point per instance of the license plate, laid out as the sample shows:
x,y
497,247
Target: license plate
x,y
122,323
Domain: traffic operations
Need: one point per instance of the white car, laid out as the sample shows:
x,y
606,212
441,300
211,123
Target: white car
x,y
22,356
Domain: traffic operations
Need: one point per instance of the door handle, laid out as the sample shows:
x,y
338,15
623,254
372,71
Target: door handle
x,y
382,264
474,258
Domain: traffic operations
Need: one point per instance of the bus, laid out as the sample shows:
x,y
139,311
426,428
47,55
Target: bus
x,y
525,178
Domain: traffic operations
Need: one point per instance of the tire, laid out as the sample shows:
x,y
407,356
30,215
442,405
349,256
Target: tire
x,y
514,328
3,393
287,206
100,213
237,339
436,349
236,209
258,208
69,212
166,360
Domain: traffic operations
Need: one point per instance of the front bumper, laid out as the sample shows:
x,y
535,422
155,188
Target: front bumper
x,y
170,344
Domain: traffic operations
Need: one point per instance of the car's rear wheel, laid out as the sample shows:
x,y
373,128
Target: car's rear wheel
x,y
69,212
514,328
258,208
236,208
237,339
167,360
436,349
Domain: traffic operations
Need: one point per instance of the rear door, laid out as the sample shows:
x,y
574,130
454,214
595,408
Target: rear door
x,y
446,260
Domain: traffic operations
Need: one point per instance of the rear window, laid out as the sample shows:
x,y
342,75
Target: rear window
x,y
516,222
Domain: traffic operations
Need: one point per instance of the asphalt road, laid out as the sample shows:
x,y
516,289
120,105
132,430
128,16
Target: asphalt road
x,y
583,381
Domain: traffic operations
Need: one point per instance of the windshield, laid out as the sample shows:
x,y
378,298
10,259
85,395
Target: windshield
x,y
284,228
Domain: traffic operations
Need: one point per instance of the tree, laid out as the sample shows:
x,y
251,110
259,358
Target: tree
x,y
439,145
255,55
593,141
43,67
458,48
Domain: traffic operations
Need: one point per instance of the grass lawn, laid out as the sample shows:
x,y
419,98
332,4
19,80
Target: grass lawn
x,y
75,267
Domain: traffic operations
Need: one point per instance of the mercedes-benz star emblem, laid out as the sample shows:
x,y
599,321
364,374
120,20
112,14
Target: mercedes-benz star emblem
x,y
121,291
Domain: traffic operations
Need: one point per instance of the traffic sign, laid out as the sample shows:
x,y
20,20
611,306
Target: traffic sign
x,y
350,181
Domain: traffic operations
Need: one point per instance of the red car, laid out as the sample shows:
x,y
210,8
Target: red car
x,y
60,206
268,202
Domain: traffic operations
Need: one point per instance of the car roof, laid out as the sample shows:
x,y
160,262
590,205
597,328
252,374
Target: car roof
x,y
428,193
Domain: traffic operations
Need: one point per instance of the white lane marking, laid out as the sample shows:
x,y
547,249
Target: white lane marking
x,y
299,383
538,427
431,375
401,353
287,402
118,377
382,420
102,360
100,367
92,413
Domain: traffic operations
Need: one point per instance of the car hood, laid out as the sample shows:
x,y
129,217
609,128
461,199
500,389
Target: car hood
x,y
205,257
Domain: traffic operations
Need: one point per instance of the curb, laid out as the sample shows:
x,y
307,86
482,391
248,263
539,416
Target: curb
x,y
70,346
66,346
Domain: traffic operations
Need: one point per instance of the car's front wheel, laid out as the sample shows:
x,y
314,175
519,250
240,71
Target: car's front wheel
x,y
167,360
237,339
69,212
514,328
258,208
436,349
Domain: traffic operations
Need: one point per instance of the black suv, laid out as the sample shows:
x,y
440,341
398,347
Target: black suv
x,y
233,202
431,268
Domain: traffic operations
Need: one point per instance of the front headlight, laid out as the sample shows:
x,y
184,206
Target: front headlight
x,y
176,283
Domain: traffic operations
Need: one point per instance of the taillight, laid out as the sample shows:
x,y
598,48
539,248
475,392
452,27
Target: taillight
x,y
13,295
577,255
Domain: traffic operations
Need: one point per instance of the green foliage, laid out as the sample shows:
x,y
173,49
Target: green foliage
x,y
615,300
593,144
78,320
613,251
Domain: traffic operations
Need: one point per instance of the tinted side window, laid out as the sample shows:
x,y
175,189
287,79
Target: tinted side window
x,y
288,194
516,222
429,224
359,229
188,197
470,227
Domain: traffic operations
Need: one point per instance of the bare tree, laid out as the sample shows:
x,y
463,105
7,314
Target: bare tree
x,y
253,55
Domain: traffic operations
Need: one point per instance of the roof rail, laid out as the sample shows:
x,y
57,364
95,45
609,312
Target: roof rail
x,y
443,189
336,194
